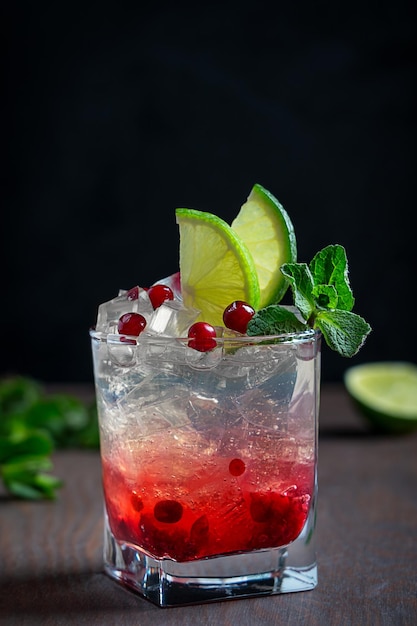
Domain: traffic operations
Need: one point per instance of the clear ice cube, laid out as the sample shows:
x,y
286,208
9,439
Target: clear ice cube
x,y
109,312
270,386
156,403
250,366
207,416
171,319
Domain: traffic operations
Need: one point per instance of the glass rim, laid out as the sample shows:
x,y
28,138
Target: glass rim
x,y
308,334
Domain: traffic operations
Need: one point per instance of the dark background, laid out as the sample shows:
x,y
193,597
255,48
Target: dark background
x,y
113,116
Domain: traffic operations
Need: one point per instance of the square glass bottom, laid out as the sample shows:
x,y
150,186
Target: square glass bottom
x,y
259,573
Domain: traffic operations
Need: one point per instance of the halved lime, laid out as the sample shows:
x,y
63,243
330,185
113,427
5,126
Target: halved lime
x,y
215,265
386,393
265,227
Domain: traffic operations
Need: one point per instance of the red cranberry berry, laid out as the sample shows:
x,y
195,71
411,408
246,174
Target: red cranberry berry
x,y
236,467
131,324
159,294
261,507
237,316
202,337
199,532
168,511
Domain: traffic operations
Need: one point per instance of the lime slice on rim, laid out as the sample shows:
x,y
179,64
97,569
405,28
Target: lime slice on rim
x,y
386,393
215,266
265,227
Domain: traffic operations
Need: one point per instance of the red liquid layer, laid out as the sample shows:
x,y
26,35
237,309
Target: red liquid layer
x,y
228,505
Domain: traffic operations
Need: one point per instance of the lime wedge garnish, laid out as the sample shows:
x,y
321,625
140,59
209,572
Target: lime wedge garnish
x,y
215,265
386,393
265,227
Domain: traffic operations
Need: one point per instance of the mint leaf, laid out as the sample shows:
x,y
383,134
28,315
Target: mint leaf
x,y
322,293
27,480
330,267
301,282
24,443
17,394
325,296
63,416
344,331
32,426
24,457
274,320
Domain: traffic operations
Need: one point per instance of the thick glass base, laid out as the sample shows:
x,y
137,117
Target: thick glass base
x,y
169,583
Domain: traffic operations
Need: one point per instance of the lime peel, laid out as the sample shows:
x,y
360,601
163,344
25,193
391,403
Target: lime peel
x,y
385,393
215,265
266,228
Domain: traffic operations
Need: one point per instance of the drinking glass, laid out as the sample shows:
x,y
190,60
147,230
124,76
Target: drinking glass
x,y
209,464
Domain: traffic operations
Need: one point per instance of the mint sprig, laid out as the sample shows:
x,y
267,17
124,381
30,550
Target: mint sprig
x,y
323,295
33,425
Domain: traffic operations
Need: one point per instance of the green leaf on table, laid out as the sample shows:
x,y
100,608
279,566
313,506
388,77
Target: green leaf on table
x,y
32,425
24,476
63,416
25,442
26,463
33,486
17,395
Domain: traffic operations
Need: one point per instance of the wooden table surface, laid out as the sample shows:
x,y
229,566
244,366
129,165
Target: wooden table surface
x,y
50,552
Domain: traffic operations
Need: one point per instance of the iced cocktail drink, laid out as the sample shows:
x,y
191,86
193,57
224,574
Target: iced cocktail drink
x,y
209,462
208,394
